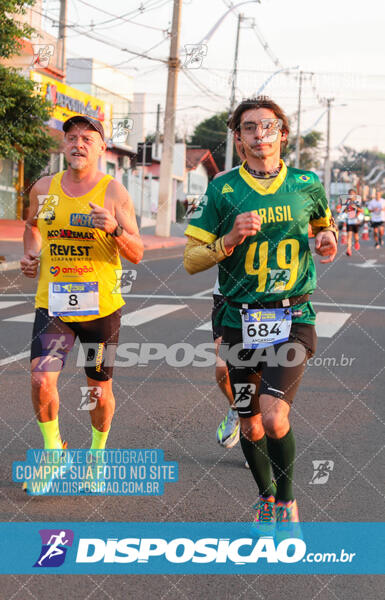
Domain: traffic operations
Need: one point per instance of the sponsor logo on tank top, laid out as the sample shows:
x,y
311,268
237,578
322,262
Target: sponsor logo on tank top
x,y
81,220
69,250
78,270
69,234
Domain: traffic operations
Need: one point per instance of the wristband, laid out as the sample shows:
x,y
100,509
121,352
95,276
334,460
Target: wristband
x,y
117,231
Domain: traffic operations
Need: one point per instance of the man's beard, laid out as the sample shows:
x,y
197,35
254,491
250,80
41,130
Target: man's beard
x,y
259,152
78,162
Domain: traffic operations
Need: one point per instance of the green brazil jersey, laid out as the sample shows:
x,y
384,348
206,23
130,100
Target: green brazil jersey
x,y
276,263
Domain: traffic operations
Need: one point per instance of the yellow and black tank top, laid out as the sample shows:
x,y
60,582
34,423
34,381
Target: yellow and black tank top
x,y
73,250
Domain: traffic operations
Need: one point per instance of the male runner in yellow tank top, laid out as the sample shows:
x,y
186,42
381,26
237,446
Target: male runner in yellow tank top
x,y
80,221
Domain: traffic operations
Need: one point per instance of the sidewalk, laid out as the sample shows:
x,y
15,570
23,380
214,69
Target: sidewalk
x,y
11,241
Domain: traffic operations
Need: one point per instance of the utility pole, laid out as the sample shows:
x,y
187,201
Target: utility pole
x,y
327,170
142,184
229,138
157,131
62,35
20,184
302,74
298,140
163,221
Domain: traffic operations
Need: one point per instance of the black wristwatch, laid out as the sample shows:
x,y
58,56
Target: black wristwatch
x,y
117,231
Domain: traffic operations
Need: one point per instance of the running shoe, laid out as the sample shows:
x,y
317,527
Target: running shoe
x,y
287,520
348,252
356,245
264,521
54,469
377,246
228,430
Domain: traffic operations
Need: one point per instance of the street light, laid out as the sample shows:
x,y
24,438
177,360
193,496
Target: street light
x,y
273,75
348,133
206,38
210,33
327,169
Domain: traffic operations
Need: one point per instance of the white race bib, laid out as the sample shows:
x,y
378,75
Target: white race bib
x,y
73,299
265,327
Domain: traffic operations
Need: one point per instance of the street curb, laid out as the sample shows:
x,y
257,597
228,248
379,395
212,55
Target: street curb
x,y
14,265
11,265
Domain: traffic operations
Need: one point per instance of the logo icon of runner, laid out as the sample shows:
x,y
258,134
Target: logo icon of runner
x,y
243,394
57,347
55,543
322,470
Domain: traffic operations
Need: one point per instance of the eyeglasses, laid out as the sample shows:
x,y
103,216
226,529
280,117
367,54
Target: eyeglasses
x,y
267,128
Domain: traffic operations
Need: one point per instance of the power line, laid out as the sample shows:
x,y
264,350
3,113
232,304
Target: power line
x,y
104,40
200,86
116,17
273,57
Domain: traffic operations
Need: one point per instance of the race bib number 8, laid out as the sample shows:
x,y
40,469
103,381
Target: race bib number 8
x,y
73,299
262,328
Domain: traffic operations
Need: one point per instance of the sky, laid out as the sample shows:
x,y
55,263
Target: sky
x,y
339,43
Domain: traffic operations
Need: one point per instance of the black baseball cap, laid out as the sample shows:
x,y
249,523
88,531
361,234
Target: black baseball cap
x,y
84,119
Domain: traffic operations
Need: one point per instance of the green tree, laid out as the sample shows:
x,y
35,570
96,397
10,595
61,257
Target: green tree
x,y
211,133
12,30
309,150
23,113
361,162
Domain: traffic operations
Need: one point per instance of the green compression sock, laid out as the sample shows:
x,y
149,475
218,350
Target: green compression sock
x,y
51,434
99,439
282,454
257,457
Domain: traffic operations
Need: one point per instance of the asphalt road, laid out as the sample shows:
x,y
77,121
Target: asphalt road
x,y
338,416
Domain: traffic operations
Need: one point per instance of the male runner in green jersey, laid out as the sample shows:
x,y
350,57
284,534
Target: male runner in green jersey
x,y
255,227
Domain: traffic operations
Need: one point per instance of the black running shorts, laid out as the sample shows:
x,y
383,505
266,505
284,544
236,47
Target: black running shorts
x,y
52,339
353,228
275,371
218,303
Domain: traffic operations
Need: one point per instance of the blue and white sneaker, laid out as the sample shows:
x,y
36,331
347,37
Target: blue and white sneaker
x,y
264,521
228,430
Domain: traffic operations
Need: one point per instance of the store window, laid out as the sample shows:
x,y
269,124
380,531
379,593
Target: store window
x,y
111,168
8,172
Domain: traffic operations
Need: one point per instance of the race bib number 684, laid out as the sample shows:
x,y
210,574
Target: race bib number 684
x,y
262,328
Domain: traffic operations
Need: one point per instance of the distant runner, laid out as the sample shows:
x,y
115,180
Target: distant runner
x,y
377,210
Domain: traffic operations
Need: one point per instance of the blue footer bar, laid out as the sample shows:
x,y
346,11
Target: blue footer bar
x,y
187,548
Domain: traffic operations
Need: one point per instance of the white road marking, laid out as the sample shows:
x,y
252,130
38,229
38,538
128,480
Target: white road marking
x,y
329,323
27,318
4,304
209,298
205,327
199,294
145,315
371,263
14,358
